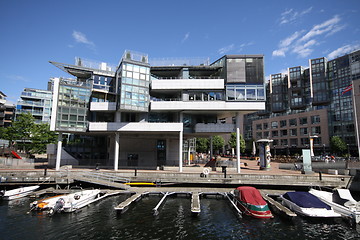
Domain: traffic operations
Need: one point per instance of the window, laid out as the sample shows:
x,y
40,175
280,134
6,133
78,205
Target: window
x,y
293,132
283,133
303,121
316,130
274,124
304,141
275,133
258,135
266,134
293,122
293,142
315,119
258,127
283,123
266,125
303,131
284,142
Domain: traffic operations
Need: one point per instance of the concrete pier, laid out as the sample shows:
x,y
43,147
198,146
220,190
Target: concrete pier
x,y
195,203
278,207
122,207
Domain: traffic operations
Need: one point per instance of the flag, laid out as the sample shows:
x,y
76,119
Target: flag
x,y
347,89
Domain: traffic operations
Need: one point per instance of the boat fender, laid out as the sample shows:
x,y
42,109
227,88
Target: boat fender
x,y
76,197
2,193
206,171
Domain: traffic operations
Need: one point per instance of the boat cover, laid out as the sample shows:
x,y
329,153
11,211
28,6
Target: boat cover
x,y
250,195
305,200
342,196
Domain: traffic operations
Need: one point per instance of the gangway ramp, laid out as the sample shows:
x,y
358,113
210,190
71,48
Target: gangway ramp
x,y
101,178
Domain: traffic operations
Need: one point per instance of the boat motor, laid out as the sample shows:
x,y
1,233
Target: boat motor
x,y
58,206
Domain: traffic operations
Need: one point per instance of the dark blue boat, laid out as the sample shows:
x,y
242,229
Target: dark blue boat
x,y
304,203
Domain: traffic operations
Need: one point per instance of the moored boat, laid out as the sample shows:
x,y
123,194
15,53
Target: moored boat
x,y
67,202
251,203
341,201
18,192
306,204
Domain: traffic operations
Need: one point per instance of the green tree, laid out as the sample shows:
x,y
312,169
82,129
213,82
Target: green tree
x,y
22,128
232,142
30,137
40,137
337,145
218,142
202,144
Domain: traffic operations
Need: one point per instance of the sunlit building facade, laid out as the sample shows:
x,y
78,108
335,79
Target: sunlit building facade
x,y
311,102
145,113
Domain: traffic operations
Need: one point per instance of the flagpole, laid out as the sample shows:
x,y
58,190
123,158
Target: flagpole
x,y
355,117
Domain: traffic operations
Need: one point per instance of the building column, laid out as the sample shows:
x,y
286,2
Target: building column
x,y
117,148
238,117
58,152
180,151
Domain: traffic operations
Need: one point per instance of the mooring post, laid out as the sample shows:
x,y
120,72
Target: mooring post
x,y
320,176
135,172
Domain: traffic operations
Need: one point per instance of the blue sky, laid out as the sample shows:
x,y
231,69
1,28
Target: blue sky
x,y
287,33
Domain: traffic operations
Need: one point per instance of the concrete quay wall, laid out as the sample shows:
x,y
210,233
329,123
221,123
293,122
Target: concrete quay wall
x,y
265,179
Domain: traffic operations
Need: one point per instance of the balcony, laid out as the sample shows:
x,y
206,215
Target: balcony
x,y
102,106
134,127
188,84
214,128
206,106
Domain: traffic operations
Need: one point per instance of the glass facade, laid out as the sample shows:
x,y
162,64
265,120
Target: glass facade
x,y
134,84
73,105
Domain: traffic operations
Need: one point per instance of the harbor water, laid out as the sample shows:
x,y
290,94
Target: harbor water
x,y
217,220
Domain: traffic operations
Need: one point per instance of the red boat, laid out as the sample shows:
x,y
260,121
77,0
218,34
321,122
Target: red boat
x,y
251,203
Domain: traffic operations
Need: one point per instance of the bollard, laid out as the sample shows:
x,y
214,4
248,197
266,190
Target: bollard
x,y
320,176
224,170
45,171
135,172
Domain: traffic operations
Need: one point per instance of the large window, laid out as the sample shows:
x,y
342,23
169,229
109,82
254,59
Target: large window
x,y
134,87
245,92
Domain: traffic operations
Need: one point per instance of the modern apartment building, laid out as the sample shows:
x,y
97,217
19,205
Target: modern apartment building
x,y
6,111
37,102
314,102
146,114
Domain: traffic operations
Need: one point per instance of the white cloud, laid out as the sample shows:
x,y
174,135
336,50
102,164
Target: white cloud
x,y
226,49
290,16
81,38
287,41
187,35
18,78
303,44
343,50
325,27
279,52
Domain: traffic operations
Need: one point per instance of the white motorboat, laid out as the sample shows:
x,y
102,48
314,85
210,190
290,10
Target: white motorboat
x,y
307,205
341,201
67,202
18,192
